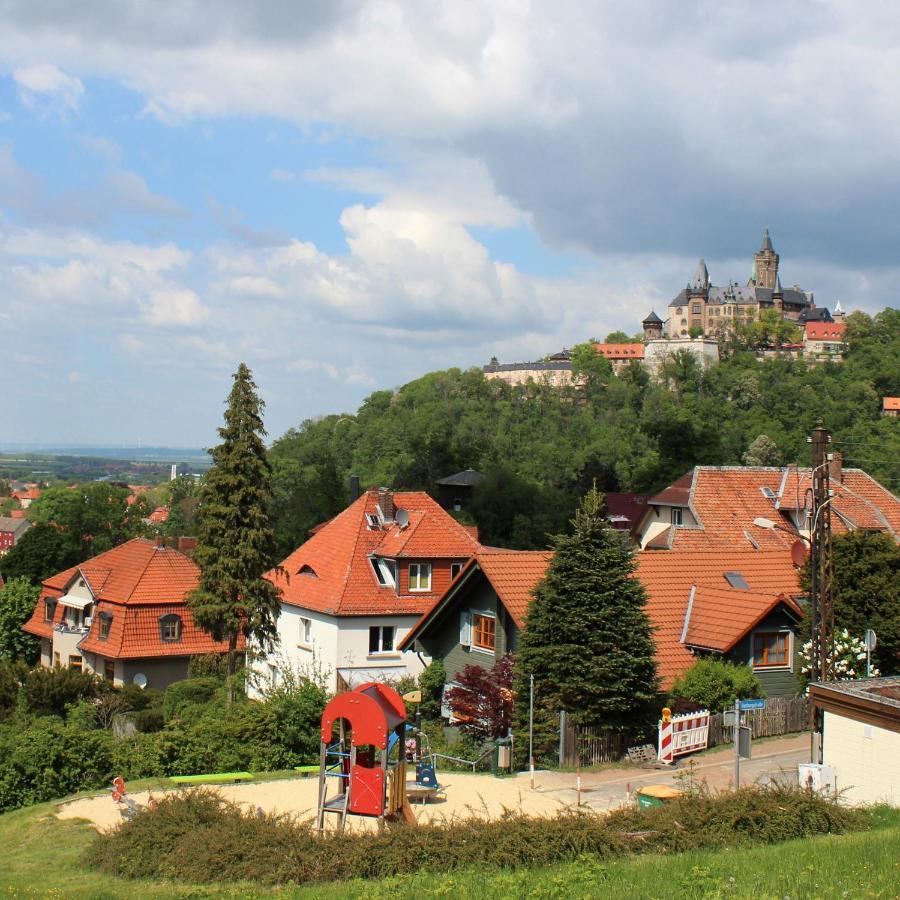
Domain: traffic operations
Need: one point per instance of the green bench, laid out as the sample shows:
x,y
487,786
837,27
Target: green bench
x,y
307,770
211,779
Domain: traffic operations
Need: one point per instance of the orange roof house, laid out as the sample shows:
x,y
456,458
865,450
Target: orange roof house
x,y
741,605
713,507
353,589
123,615
891,406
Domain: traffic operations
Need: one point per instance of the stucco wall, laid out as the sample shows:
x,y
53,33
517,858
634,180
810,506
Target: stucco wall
x,y
866,760
160,672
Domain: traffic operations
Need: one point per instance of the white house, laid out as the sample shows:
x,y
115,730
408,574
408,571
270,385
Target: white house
x,y
359,584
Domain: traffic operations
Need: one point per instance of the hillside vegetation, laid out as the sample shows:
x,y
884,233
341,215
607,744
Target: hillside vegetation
x,y
542,448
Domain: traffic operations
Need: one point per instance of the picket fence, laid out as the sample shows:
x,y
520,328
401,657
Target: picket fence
x,y
592,746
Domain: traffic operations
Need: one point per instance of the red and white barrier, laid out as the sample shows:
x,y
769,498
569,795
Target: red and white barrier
x,y
683,734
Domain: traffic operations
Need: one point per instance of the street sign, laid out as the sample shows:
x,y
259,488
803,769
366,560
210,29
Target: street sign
x,y
752,704
744,742
871,639
728,718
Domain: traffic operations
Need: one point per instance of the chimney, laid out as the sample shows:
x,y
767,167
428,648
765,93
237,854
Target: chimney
x,y
187,545
160,541
835,464
386,505
354,488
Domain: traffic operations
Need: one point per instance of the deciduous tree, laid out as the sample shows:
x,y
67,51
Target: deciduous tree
x,y
17,601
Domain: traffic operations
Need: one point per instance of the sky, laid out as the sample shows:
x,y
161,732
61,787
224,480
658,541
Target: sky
x,y
347,195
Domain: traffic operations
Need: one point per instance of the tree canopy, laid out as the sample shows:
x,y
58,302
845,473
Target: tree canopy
x,y
236,545
17,601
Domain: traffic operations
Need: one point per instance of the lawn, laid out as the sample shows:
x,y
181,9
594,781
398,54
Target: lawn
x,y
43,857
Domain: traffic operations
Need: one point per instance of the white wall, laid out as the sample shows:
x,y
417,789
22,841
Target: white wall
x,y
353,646
866,760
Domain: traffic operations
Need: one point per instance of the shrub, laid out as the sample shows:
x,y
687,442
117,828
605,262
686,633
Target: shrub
x,y
208,665
482,700
431,684
182,697
199,837
714,684
12,674
51,691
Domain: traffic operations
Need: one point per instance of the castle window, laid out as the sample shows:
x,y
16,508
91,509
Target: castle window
x,y
678,311
696,309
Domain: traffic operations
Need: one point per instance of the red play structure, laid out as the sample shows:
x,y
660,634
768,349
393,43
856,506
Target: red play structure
x,y
363,751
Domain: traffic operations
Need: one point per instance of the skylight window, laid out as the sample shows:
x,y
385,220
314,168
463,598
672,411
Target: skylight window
x,y
373,521
736,580
768,492
385,571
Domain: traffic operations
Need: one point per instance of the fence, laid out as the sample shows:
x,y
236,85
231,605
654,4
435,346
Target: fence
x,y
592,746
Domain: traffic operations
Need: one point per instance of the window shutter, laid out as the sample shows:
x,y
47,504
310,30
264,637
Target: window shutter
x,y
465,628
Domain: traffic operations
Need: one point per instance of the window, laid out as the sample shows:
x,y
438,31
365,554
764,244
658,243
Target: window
x,y
56,660
420,576
675,516
736,580
105,622
170,628
49,609
373,521
771,648
484,632
109,670
385,571
696,310
307,572
381,639
75,663
305,631
455,569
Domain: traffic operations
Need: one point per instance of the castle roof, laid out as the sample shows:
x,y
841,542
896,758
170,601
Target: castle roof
x,y
652,319
766,242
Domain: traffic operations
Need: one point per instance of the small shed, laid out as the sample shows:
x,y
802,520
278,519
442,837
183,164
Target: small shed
x,y
455,491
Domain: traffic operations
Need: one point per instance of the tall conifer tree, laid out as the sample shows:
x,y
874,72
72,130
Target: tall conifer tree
x,y
236,545
587,639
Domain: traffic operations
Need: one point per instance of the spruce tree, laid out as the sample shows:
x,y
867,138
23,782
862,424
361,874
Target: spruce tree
x,y
587,638
236,544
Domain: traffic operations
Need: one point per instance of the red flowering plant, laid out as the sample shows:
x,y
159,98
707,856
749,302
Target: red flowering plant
x,y
481,699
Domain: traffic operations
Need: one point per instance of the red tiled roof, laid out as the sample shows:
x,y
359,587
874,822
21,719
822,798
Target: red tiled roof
x,y
625,510
891,403
343,583
719,617
676,494
159,515
514,575
137,583
18,514
621,351
825,331
668,578
28,494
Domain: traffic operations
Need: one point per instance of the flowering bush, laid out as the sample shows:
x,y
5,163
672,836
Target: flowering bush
x,y
849,657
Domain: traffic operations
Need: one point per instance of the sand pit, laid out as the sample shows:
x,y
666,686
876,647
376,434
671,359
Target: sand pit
x,y
466,794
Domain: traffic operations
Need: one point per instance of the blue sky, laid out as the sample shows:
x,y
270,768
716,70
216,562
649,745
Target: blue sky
x,y
346,196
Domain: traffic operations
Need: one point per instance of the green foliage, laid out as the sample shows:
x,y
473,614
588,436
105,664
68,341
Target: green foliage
x,y
208,665
199,837
51,691
41,552
17,601
587,639
182,697
236,543
431,684
591,367
714,684
762,452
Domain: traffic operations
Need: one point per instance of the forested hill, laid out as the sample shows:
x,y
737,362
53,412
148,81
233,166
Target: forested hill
x,y
542,447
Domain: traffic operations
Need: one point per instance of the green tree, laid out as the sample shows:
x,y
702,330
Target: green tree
x,y
714,684
762,452
236,546
17,601
587,638
590,364
41,552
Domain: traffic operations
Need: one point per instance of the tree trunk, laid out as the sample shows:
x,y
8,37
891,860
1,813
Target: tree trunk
x,y
232,655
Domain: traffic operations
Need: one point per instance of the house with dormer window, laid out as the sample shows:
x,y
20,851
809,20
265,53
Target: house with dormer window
x,y
122,615
352,591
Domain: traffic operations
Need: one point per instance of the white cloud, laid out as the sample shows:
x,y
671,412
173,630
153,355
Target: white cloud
x,y
179,307
46,81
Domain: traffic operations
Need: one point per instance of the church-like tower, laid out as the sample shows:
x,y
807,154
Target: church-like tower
x,y
765,265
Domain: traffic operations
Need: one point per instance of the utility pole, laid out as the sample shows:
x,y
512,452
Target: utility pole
x,y
821,595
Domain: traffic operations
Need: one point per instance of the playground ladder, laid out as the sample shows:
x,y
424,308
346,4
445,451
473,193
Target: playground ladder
x,y
340,802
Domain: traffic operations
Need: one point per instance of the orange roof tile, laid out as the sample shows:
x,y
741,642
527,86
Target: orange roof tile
x,y
159,515
514,576
718,617
825,331
891,403
669,577
339,579
621,351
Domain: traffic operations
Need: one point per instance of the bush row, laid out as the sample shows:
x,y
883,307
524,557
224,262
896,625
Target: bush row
x,y
198,837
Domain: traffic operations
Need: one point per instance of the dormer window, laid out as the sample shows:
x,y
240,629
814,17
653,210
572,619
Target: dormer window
x,y
104,625
170,629
307,572
385,571
49,609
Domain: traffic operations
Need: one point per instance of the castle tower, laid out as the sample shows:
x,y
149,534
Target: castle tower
x,y
653,326
699,284
838,314
765,264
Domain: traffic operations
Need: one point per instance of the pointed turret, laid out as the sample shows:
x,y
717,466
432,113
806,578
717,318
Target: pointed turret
x,y
777,289
765,264
653,326
766,243
700,281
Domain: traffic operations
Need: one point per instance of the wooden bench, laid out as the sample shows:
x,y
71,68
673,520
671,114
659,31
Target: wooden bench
x,y
211,779
307,770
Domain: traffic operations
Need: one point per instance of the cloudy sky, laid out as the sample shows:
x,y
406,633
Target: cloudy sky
x,y
346,195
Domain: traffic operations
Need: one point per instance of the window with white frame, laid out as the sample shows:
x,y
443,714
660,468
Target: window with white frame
x,y
385,571
675,516
381,639
420,576
455,569
305,631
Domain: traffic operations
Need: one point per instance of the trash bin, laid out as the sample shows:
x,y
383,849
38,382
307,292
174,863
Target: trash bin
x,y
503,755
657,795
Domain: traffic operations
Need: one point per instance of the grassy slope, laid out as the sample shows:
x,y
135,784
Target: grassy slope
x,y
43,857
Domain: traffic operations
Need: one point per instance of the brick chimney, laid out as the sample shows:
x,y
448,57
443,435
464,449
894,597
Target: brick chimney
x,y
386,505
835,466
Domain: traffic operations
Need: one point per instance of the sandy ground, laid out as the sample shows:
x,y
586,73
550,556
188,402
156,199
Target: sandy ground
x,y
488,796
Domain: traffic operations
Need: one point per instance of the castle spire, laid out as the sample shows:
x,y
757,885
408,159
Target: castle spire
x,y
700,281
766,242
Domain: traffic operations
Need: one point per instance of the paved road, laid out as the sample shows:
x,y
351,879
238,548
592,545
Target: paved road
x,y
773,759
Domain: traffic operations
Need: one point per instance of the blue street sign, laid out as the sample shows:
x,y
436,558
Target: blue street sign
x,y
753,704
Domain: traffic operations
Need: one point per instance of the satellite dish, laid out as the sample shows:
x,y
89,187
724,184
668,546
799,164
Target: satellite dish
x,y
799,553
140,679
401,517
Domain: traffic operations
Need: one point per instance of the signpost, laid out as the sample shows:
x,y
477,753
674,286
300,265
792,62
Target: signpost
x,y
871,642
742,733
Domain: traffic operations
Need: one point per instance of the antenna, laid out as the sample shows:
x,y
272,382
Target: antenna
x,y
140,679
401,517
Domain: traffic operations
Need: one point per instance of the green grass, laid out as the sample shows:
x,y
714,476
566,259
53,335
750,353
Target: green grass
x,y
44,857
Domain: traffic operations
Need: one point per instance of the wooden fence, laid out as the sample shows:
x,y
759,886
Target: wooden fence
x,y
592,746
